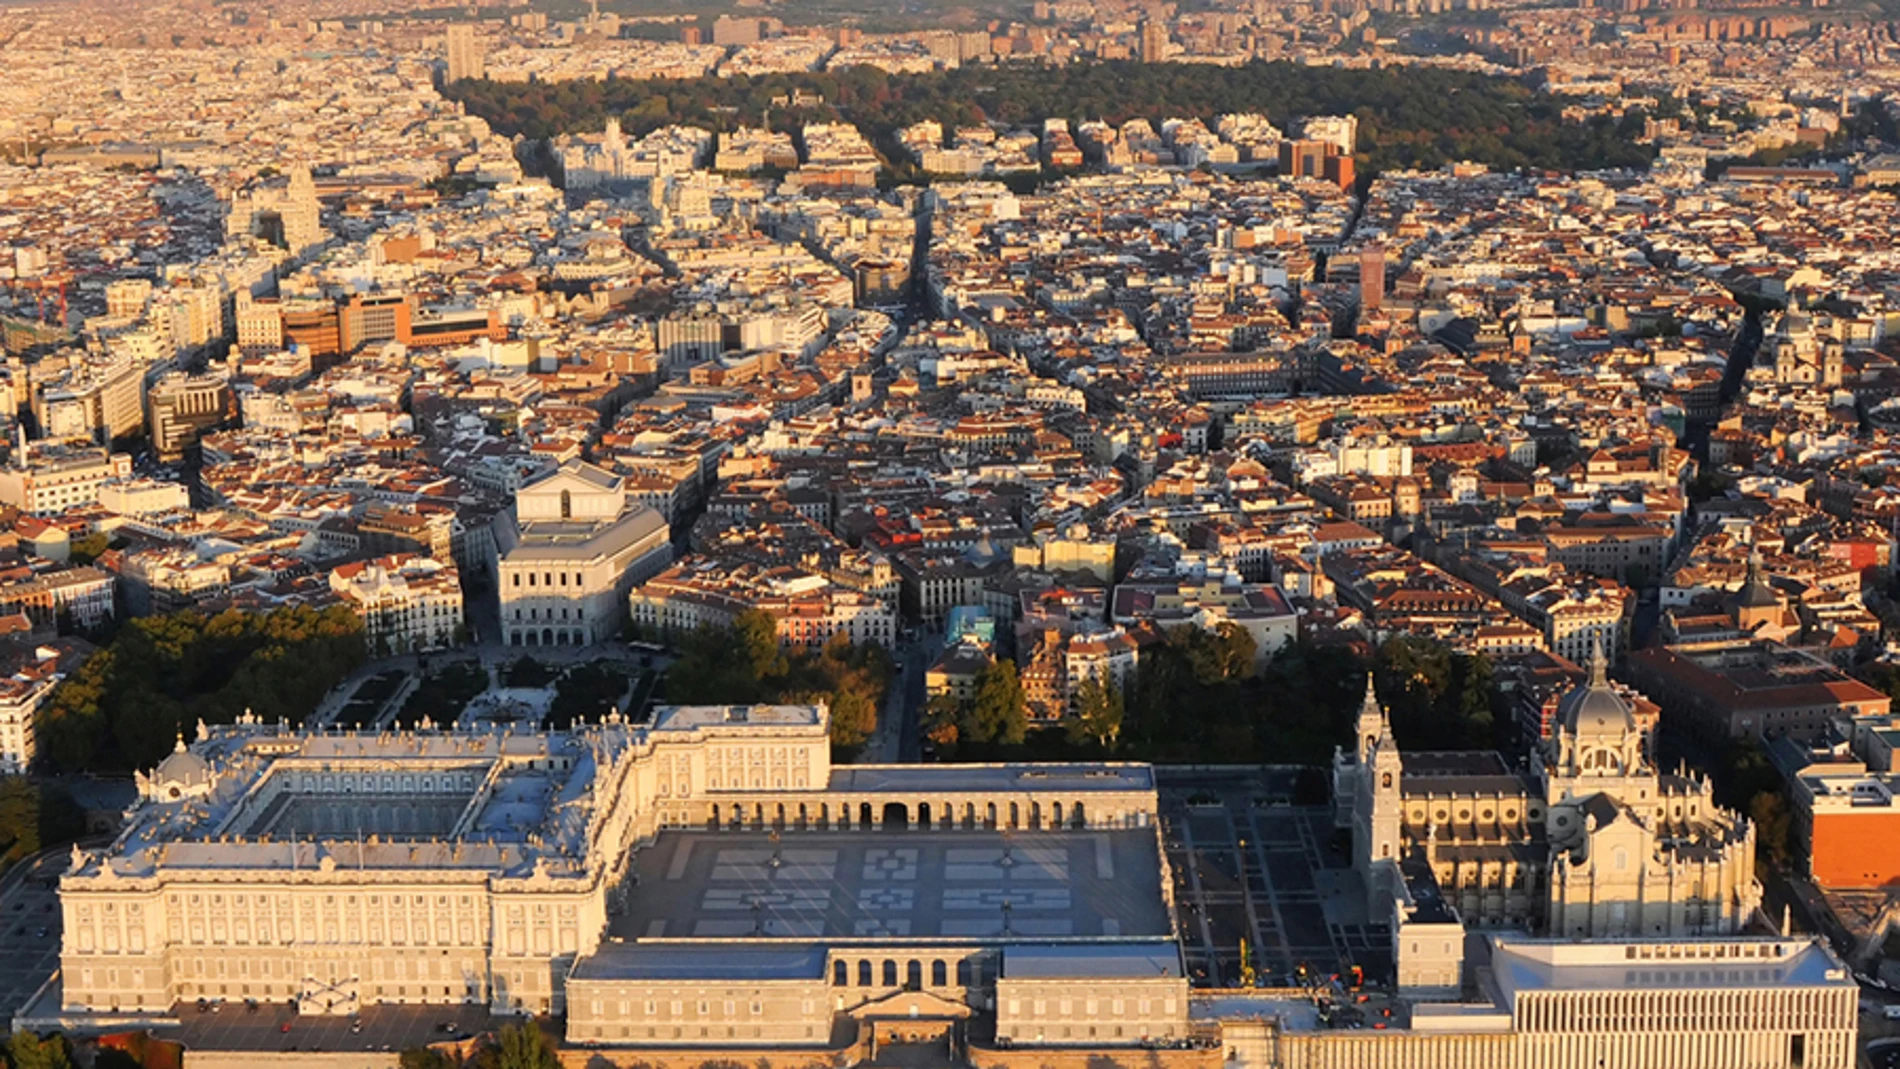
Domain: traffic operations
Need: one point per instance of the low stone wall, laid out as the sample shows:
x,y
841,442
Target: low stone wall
x,y
711,1058
291,1059
1094,1058
850,1044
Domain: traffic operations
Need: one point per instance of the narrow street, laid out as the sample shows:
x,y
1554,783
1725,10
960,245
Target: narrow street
x,y
899,735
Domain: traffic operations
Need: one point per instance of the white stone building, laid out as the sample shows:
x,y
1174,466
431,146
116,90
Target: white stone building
x,y
579,548
407,602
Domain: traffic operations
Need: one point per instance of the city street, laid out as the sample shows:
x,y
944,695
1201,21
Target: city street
x,y
29,911
899,735
276,1026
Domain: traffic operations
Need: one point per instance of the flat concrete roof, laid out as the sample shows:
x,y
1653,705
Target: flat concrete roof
x,y
1617,965
1092,961
633,961
976,779
852,886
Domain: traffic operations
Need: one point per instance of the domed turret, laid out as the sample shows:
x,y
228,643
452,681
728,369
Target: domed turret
x,y
181,775
1756,602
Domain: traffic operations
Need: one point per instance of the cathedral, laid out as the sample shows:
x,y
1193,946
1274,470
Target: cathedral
x,y
1584,838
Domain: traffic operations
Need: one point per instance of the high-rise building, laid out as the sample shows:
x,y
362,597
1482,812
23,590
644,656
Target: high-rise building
x,y
1339,130
366,319
1371,278
127,297
464,53
728,30
1302,157
260,325
180,407
1154,41
1337,169
282,210
99,399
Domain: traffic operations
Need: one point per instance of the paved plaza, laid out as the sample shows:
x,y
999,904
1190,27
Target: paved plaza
x,y
882,884
1249,865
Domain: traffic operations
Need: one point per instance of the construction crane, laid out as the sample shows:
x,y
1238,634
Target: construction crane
x,y
38,287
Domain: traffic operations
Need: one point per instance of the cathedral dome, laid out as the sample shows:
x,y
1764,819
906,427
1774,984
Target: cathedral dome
x,y
1594,708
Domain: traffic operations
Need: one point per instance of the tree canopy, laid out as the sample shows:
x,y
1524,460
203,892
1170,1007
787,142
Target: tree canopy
x,y
999,713
25,1050
1203,696
161,674
1408,117
34,815
744,664
1099,710
1437,699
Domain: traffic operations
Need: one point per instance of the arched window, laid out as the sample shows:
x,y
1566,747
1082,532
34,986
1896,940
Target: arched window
x,y
567,505
1385,781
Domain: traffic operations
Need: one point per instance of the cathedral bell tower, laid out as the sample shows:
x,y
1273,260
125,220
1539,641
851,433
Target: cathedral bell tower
x,y
1378,809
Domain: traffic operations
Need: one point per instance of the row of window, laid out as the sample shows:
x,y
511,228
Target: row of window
x,y
547,578
1065,1008
678,1032
534,615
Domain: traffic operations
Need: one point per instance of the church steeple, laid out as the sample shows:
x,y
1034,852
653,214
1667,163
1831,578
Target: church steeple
x,y
1372,725
1756,602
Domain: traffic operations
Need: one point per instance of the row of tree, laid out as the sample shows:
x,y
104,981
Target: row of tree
x,y
161,674
25,1050
744,664
34,815
1410,117
512,1046
1206,696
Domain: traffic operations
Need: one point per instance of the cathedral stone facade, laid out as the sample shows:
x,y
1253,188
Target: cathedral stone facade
x,y
1585,838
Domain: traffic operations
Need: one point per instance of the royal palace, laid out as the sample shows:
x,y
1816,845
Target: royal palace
x,y
709,881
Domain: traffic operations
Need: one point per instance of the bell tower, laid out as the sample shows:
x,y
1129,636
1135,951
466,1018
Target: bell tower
x,y
1379,809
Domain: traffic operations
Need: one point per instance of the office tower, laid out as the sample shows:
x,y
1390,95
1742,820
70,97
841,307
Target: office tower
x,y
127,297
1337,169
1154,41
1371,278
281,210
1301,158
728,30
181,407
464,53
